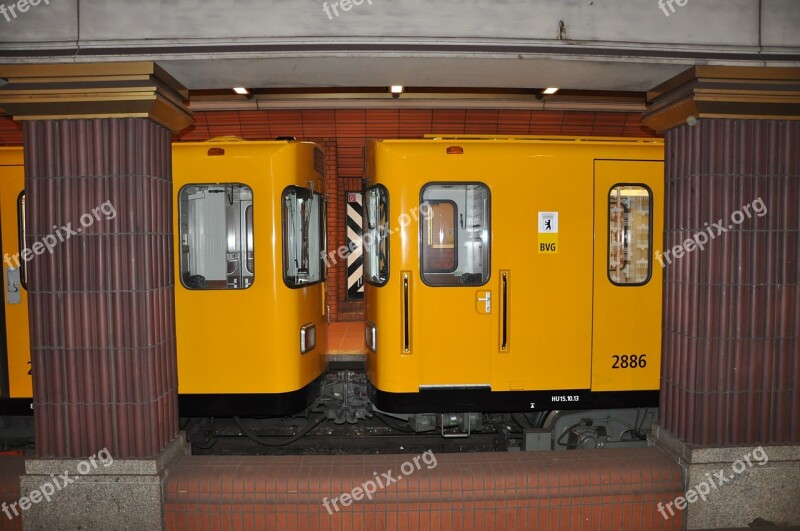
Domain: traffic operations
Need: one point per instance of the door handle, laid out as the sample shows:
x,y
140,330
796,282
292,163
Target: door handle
x,y
487,298
12,286
504,311
406,333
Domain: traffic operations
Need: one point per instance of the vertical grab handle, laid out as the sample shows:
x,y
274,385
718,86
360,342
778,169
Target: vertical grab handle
x,y
504,311
326,309
406,338
22,238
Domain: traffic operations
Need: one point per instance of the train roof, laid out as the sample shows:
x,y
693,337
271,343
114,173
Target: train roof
x,y
532,139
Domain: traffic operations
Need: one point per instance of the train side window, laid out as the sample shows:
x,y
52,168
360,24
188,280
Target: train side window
x,y
216,236
630,231
303,237
454,234
376,235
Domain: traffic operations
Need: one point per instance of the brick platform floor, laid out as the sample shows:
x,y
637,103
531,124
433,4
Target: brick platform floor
x,y
346,338
11,468
576,490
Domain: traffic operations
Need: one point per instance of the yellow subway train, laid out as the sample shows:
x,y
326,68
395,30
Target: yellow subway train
x,y
249,228
504,275
512,275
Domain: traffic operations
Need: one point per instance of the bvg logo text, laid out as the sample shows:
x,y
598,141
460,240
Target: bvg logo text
x,y
547,247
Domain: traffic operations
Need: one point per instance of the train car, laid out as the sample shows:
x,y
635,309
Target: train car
x,y
512,275
249,229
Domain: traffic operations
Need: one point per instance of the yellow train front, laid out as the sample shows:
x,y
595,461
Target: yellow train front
x,y
249,242
512,275
249,290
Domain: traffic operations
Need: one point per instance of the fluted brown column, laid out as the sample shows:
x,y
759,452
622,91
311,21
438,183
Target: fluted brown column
x,y
97,142
101,304
731,329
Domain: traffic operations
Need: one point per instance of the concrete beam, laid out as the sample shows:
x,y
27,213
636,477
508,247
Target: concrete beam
x,y
586,44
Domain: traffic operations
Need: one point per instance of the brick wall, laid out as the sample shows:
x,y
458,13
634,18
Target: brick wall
x,y
10,132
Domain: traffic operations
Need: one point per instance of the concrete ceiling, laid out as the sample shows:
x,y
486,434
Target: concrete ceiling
x,y
595,45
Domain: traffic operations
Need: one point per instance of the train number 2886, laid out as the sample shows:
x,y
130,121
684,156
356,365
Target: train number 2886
x,y
629,362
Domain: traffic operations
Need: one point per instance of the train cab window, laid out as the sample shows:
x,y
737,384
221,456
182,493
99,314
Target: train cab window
x,y
376,236
303,237
629,235
454,234
216,236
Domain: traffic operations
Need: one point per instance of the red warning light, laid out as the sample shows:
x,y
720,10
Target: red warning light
x,y
455,150
215,151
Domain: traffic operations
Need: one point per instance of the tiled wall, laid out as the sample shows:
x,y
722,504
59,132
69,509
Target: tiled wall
x,y
10,132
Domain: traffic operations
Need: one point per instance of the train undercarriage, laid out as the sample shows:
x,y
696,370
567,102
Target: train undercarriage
x,y
344,421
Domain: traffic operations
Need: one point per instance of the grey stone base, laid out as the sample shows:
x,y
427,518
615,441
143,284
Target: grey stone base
x,y
739,492
106,494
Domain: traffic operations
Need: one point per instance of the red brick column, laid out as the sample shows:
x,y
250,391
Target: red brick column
x,y
731,329
97,142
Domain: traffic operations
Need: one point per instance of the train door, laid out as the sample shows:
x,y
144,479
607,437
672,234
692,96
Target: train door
x,y
15,368
627,301
452,308
543,274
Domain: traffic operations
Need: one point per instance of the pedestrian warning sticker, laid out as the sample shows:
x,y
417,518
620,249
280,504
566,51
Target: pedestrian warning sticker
x,y
548,232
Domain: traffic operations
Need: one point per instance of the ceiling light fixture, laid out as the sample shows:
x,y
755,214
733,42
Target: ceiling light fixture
x,y
550,91
241,90
396,90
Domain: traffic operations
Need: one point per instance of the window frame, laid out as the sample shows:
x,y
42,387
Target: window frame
x,y
386,236
420,236
244,244
651,205
322,236
250,240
